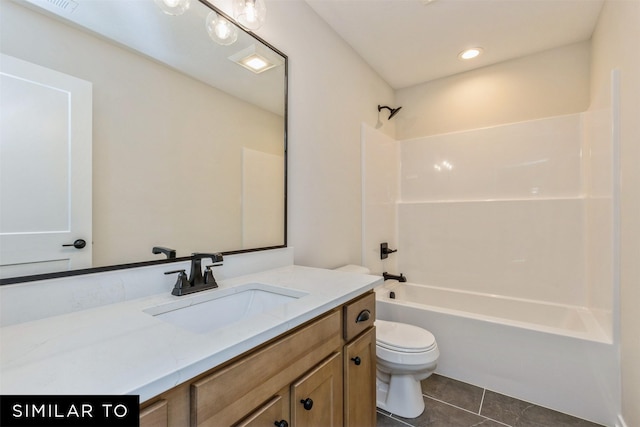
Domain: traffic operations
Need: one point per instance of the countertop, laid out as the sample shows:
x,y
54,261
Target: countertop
x,y
120,349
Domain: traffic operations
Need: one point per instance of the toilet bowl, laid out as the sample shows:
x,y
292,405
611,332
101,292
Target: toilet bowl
x,y
406,355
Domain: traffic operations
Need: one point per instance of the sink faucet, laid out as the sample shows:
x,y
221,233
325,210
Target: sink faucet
x,y
196,278
196,281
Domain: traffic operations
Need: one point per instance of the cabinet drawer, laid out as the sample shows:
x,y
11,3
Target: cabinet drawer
x,y
230,394
156,415
359,315
274,412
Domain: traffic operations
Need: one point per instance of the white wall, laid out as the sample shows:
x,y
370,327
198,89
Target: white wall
x,y
331,92
616,35
550,83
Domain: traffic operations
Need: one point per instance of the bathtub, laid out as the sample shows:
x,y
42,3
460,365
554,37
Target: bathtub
x,y
552,355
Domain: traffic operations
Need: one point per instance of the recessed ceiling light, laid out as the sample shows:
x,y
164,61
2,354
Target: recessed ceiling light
x,y
470,53
256,59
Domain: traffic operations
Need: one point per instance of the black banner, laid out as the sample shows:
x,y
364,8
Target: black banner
x,y
70,411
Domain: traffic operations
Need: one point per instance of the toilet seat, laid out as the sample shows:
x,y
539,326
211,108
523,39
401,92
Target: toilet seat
x,y
404,338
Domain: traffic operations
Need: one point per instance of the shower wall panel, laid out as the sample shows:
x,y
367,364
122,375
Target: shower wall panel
x,y
498,210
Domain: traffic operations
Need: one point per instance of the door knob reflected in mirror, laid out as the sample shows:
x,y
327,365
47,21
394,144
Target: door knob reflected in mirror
x,y
78,244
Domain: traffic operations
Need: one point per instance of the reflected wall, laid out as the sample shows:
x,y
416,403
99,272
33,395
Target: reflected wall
x,y
167,149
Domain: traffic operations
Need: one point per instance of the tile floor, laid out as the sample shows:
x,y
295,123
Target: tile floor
x,y
451,403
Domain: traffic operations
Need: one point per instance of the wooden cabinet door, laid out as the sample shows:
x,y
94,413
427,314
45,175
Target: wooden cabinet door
x,y
155,415
274,412
316,399
360,381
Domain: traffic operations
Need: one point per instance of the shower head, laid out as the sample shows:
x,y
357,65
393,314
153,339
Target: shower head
x,y
393,111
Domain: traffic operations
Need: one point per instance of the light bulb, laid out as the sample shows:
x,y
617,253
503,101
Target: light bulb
x,y
250,13
470,53
220,30
173,7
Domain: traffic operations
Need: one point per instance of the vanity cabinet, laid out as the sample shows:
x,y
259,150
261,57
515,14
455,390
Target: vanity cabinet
x,y
319,374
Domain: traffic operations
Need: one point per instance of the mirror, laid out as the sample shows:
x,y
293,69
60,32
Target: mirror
x,y
187,149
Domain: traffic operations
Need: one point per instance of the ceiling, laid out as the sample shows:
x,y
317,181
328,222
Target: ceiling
x,y
409,42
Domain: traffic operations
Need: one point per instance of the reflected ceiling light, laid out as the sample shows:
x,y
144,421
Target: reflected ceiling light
x,y
173,7
249,13
220,29
470,53
256,59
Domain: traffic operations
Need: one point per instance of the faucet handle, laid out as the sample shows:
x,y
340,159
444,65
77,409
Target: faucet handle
x,y
181,283
208,276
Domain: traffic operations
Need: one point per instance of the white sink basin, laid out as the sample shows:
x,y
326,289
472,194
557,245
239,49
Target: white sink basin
x,y
211,310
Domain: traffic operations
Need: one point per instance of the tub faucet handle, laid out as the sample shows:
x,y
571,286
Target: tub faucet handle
x,y
385,251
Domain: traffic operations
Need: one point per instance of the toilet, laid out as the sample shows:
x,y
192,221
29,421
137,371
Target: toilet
x,y
406,354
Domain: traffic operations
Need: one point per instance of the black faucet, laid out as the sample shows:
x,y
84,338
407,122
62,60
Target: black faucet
x,y
196,281
196,278
400,278
170,253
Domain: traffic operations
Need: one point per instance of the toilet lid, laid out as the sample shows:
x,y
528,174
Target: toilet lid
x,y
403,337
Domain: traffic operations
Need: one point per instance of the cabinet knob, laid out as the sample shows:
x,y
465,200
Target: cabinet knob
x,y
357,360
307,403
281,423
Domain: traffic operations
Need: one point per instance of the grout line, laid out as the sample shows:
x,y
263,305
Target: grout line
x,y
463,409
484,390
390,415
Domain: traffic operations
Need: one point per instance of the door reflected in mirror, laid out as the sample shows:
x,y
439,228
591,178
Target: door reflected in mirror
x,y
188,147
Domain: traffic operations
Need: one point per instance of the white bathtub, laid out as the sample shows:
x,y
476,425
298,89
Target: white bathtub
x,y
549,354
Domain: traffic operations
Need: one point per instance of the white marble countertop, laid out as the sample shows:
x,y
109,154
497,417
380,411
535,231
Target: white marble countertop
x,y
120,349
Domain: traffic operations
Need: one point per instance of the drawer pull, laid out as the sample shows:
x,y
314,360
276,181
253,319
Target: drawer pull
x,y
281,423
357,360
363,316
307,403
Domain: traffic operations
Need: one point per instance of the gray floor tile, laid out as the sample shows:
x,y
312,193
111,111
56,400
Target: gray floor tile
x,y
384,420
455,392
517,413
438,414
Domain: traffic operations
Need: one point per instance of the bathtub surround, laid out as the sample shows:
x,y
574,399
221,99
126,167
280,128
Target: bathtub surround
x,y
514,215
510,218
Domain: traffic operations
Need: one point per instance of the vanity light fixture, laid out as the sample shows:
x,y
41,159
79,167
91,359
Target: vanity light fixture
x,y
470,53
250,14
173,7
255,59
220,29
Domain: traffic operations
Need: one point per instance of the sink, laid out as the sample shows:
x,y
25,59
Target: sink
x,y
215,309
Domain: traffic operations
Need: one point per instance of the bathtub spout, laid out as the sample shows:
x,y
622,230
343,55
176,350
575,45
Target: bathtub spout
x,y
400,278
